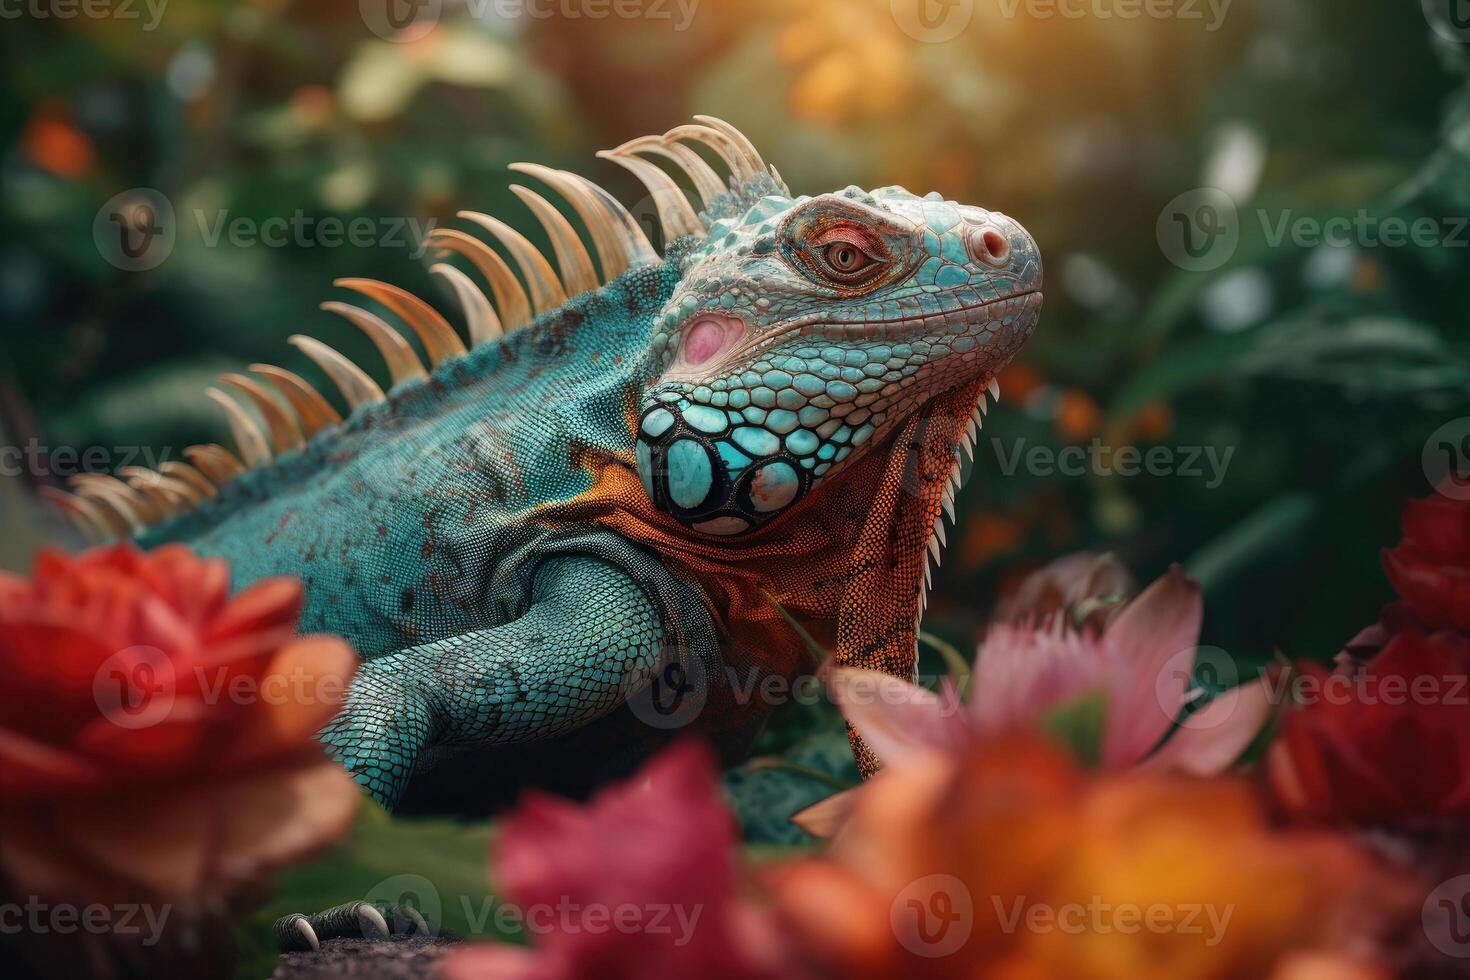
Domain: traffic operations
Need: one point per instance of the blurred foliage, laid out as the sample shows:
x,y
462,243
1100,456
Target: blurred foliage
x,y
1322,370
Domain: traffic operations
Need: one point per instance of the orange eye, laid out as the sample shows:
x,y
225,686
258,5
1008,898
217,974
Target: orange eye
x,y
846,259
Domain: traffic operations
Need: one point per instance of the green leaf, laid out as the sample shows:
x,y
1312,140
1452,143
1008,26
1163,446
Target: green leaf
x,y
765,793
772,763
1271,529
954,661
1181,368
1365,356
812,645
1079,725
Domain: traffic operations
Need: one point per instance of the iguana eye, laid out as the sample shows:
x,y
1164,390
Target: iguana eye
x,y
847,256
845,259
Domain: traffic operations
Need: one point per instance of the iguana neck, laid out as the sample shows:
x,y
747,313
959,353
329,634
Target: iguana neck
x,y
849,563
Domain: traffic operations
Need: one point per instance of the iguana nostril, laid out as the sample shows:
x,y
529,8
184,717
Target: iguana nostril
x,y
990,246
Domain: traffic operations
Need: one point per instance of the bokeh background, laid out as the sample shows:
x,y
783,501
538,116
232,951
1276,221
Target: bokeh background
x,y
1321,369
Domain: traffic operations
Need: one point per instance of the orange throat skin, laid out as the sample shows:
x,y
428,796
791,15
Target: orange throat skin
x,y
848,563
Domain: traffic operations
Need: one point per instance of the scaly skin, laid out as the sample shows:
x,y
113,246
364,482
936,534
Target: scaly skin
x,y
622,493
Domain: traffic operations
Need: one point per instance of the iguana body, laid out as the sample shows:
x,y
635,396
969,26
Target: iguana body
x,y
632,489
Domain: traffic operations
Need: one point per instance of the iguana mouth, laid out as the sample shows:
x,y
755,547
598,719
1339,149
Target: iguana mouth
x,y
839,330
957,312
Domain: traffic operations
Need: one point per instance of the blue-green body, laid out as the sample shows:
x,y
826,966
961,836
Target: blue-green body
x,y
397,520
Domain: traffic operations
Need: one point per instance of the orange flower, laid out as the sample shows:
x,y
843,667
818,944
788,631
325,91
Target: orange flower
x,y
1019,380
156,734
1078,416
50,141
989,535
1153,421
1006,862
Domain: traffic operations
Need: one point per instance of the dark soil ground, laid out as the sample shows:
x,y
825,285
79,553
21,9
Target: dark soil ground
x,y
381,959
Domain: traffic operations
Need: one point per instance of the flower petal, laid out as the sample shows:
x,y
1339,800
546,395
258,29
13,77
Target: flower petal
x,y
270,603
294,697
1065,584
824,819
272,818
1023,671
1210,741
1156,637
161,842
896,719
29,768
196,588
151,748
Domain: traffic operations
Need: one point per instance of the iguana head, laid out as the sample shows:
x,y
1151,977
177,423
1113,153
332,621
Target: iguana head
x,y
805,330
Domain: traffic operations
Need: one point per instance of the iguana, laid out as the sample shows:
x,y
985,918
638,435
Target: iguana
x,y
638,470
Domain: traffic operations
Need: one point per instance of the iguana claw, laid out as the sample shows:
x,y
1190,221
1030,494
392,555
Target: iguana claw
x,y
297,933
294,934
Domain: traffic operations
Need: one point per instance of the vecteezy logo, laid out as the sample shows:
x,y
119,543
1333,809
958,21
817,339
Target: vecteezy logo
x,y
1446,459
932,21
413,903
933,916
1450,19
1446,917
1199,230
645,215
670,694
1194,676
134,688
403,21
135,230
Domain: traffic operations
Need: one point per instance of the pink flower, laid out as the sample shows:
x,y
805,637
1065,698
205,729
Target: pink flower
x,y
1139,655
639,882
1143,659
1086,586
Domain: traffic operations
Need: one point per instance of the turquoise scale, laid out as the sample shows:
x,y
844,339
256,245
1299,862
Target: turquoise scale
x,y
691,475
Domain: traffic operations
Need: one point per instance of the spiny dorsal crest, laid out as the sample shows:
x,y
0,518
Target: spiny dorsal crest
x,y
272,411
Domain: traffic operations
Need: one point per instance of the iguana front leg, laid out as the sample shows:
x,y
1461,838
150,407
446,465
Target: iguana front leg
x,y
589,636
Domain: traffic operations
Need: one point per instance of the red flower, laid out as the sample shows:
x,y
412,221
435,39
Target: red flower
x,y
1430,567
640,882
156,734
1382,743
